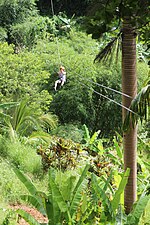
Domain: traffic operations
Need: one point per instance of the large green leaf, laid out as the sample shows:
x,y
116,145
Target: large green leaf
x,y
27,217
56,204
67,187
40,135
77,191
118,149
56,194
52,212
135,215
116,200
25,180
107,182
76,200
86,134
94,137
82,177
102,195
34,202
52,208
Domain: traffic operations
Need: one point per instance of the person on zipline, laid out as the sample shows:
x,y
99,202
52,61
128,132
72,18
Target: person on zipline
x,y
62,77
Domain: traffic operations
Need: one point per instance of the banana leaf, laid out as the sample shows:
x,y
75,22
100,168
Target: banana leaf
x,y
53,212
116,200
56,204
27,217
86,134
138,210
56,194
25,180
67,187
102,195
77,191
34,202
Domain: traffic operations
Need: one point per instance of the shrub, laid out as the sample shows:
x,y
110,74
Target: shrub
x,y
23,156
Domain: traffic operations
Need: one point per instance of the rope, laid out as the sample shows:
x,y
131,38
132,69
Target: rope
x,y
103,86
57,43
109,99
114,90
118,92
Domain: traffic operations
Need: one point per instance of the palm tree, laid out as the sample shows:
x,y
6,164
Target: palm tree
x,y
129,87
22,120
128,16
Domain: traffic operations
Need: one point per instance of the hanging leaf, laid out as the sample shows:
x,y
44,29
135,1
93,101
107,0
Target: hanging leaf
x,y
34,202
25,180
27,217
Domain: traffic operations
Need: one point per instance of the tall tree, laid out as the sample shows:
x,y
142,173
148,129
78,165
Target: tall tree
x,y
122,18
129,86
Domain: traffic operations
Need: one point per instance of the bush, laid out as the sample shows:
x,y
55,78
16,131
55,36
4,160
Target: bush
x,y
10,187
26,34
3,34
23,156
69,131
22,76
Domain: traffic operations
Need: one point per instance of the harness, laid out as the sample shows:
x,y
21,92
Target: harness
x,y
62,77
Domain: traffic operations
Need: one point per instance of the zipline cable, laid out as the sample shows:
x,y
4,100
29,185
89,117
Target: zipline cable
x,y
114,90
109,98
57,43
101,85
52,7
118,92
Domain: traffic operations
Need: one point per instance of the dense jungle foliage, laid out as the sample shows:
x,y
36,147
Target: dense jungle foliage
x,y
69,141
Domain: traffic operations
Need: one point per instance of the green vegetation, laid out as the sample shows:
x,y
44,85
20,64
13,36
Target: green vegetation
x,y
61,152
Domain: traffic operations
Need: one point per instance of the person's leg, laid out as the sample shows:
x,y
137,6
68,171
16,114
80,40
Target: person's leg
x,y
56,82
63,80
62,83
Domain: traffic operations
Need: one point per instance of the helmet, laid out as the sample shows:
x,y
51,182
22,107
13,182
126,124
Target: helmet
x,y
62,68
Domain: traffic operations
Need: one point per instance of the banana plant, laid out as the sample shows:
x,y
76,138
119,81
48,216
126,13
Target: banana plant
x,y
113,210
92,142
58,206
111,207
138,210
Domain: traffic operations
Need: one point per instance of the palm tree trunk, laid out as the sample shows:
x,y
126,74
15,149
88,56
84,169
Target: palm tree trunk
x,y
129,86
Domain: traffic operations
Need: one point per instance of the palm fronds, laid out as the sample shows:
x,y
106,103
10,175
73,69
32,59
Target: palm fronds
x,y
8,105
48,120
106,53
140,105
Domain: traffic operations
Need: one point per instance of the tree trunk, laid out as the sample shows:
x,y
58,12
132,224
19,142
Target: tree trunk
x,y
129,86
